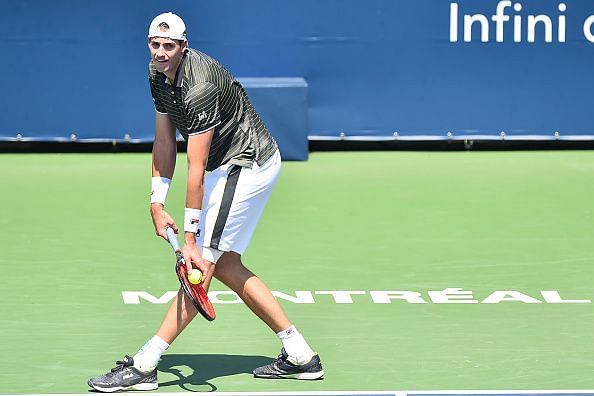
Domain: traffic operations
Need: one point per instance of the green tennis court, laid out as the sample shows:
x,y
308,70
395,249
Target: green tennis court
x,y
409,271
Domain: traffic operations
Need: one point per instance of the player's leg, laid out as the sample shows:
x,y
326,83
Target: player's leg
x,y
140,372
256,295
181,312
234,211
297,360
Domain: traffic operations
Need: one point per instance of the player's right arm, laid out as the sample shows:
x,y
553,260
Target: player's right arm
x,y
164,154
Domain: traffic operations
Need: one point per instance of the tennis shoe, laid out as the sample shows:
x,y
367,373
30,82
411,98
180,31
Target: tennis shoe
x,y
282,367
124,376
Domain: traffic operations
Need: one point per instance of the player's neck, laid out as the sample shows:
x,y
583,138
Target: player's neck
x,y
171,74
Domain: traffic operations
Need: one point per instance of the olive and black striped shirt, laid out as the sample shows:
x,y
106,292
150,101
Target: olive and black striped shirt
x,y
205,95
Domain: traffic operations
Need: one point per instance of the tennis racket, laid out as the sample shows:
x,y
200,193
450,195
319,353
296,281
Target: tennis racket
x,y
195,292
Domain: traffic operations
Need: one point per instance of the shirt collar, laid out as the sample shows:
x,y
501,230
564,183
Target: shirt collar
x,y
179,75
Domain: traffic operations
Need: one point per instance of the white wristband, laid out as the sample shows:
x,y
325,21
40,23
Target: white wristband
x,y
159,189
192,219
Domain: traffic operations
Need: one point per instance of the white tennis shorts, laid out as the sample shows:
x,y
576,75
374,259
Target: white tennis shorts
x,y
234,198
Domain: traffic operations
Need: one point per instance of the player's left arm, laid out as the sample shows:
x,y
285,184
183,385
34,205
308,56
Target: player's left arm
x,y
198,149
202,107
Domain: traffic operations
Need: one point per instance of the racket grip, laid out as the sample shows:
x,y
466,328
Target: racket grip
x,y
172,238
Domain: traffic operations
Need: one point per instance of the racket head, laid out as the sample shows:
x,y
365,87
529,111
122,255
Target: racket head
x,y
195,292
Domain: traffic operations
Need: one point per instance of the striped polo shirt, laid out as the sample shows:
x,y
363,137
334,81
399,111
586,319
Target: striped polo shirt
x,y
205,95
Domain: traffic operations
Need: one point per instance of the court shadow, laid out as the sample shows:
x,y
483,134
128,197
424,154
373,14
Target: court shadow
x,y
205,368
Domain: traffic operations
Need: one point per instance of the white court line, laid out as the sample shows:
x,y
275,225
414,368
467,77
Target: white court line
x,y
308,393
558,392
505,392
563,392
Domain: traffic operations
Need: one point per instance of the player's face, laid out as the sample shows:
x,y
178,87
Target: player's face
x,y
166,54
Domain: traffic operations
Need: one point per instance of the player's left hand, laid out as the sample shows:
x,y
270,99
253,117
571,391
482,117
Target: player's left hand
x,y
194,259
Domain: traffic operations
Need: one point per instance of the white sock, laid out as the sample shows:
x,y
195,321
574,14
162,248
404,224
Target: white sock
x,y
147,358
295,345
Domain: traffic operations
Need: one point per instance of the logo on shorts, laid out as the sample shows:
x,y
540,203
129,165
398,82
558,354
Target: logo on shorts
x,y
202,116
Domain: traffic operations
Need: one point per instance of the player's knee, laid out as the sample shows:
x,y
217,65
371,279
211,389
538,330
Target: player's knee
x,y
229,268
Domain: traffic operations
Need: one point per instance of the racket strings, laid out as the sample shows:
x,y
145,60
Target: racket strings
x,y
196,293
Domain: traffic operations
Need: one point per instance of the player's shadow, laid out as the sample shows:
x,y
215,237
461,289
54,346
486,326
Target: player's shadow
x,y
205,368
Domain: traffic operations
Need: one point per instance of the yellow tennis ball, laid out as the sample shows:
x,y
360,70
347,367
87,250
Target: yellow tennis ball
x,y
195,276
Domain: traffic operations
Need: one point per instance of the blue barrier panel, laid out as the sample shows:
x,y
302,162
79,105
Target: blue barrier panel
x,y
282,104
421,68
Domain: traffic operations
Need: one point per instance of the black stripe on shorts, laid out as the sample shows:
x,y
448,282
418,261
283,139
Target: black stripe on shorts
x,y
228,194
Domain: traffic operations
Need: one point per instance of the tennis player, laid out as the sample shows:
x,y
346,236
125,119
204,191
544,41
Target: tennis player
x,y
233,164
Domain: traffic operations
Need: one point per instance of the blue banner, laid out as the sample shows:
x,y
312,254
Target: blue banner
x,y
417,69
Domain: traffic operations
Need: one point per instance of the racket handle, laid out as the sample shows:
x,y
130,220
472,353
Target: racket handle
x,y
172,238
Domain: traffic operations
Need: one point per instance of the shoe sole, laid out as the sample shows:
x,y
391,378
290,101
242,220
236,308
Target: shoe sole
x,y
146,386
300,376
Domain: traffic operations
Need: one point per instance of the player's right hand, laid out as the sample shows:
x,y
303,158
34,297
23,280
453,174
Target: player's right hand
x,y
162,220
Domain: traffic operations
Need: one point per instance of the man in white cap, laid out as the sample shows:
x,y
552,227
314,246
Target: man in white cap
x,y
233,164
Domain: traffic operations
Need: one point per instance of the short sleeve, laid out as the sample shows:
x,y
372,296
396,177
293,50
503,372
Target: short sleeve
x,y
202,108
159,107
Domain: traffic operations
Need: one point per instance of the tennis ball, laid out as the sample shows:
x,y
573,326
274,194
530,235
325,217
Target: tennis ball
x,y
195,276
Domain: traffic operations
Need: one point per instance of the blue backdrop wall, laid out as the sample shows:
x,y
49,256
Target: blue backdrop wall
x,y
372,67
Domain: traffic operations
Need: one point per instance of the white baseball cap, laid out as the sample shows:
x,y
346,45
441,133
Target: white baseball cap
x,y
177,27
